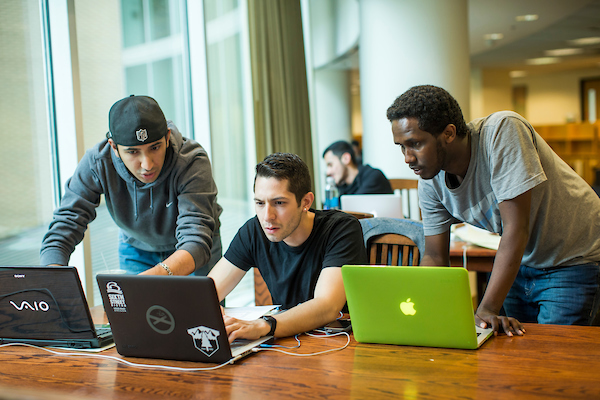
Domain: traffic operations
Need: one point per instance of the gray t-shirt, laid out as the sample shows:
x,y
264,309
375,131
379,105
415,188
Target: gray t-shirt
x,y
509,158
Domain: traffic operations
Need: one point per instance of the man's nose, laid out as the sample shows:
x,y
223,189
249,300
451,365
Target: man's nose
x,y
146,163
409,157
269,213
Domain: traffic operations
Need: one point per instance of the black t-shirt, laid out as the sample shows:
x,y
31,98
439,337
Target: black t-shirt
x,y
368,181
291,273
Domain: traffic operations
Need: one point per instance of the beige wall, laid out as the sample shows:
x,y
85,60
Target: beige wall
x,y
554,98
496,91
490,92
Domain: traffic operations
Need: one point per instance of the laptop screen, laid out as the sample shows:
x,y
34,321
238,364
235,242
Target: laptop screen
x,y
43,303
380,205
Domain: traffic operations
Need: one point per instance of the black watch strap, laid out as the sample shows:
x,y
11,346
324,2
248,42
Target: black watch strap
x,y
271,321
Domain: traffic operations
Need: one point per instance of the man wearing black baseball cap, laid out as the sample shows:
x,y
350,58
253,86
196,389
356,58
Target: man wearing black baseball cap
x,y
158,188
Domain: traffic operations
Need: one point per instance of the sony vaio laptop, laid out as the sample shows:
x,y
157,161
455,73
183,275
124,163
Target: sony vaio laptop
x,y
169,317
46,306
416,306
380,205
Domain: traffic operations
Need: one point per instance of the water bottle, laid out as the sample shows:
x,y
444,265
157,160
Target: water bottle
x,y
332,197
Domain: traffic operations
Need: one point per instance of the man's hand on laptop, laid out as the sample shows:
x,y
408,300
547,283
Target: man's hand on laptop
x,y
486,318
240,329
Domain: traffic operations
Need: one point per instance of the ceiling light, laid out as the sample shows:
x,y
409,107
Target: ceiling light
x,y
526,18
517,74
493,36
542,61
585,41
563,52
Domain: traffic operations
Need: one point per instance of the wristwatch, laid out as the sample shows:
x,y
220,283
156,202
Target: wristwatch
x,y
271,321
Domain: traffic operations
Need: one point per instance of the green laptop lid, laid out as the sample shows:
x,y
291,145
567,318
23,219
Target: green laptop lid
x,y
418,306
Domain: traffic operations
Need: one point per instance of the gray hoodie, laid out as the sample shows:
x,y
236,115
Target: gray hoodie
x,y
179,210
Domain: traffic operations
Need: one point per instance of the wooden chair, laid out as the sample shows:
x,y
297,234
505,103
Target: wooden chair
x,y
392,249
405,186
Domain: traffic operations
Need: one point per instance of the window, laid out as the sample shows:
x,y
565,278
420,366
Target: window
x,y
25,156
124,47
231,126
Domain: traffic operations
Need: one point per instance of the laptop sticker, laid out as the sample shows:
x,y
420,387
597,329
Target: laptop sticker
x,y
116,297
160,319
205,339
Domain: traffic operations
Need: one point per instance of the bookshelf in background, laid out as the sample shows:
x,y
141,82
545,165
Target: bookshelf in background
x,y
577,144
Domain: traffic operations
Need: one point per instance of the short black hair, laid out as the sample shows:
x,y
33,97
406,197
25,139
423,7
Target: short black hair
x,y
286,166
339,148
433,107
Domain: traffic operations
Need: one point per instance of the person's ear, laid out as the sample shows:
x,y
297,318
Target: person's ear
x,y
346,158
114,147
168,136
307,201
449,133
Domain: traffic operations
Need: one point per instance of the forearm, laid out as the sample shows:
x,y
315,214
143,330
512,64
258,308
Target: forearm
x,y
437,250
505,269
304,317
437,261
180,263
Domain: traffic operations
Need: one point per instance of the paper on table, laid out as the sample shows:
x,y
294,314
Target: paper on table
x,y
248,313
478,236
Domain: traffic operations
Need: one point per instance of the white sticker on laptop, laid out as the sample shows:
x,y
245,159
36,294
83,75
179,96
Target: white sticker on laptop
x,y
205,339
160,319
116,297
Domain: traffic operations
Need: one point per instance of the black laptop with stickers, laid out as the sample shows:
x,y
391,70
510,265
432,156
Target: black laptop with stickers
x,y
46,306
169,317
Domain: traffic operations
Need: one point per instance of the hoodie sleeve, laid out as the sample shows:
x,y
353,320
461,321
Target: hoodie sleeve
x,y
77,209
198,209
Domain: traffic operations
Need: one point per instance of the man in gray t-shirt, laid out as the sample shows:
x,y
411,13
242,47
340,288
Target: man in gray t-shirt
x,y
498,174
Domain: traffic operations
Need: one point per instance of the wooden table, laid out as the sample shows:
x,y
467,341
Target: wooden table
x,y
549,362
479,259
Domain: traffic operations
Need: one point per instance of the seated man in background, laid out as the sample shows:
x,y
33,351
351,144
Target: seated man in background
x,y
159,190
298,251
351,177
498,174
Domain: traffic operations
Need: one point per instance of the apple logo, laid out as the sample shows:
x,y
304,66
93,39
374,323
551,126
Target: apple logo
x,y
408,307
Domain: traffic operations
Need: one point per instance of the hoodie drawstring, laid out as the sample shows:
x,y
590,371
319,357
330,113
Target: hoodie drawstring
x,y
135,200
135,204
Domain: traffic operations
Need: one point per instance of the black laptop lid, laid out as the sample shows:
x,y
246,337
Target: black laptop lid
x,y
43,303
168,317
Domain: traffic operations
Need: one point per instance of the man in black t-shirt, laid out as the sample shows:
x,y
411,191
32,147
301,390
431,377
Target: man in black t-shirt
x,y
298,250
350,176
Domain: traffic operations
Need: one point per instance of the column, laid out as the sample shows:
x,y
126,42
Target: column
x,y
403,44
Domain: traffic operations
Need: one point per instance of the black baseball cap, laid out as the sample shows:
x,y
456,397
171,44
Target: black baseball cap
x,y
136,120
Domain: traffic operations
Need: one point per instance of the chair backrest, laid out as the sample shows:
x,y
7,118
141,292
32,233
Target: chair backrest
x,y
405,186
392,249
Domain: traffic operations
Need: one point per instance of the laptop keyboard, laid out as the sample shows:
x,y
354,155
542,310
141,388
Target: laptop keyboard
x,y
103,331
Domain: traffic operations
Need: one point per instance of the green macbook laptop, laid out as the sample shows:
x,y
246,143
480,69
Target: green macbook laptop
x,y
415,306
